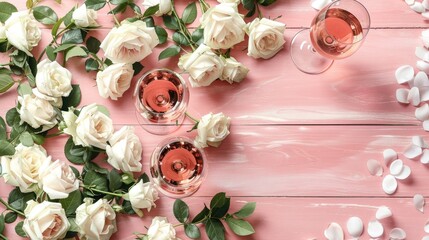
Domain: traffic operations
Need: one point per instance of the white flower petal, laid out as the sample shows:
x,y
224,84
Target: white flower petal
x,y
422,65
426,228
422,112
374,167
413,151
422,53
375,229
414,96
396,167
402,95
409,2
405,173
383,212
355,227
397,234
334,232
319,4
389,155
425,15
424,94
419,141
404,74
425,238
419,202
421,79
424,158
418,7
425,4
389,184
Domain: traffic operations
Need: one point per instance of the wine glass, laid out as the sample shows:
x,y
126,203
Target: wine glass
x,y
161,98
178,167
336,32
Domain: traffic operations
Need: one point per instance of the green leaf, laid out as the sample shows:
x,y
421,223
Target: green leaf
x,y
180,39
151,11
5,71
126,206
200,216
26,139
144,177
71,154
72,202
68,17
149,21
73,99
56,26
2,225
10,217
249,4
190,13
3,131
137,67
219,212
12,117
266,3
75,171
103,110
91,65
169,52
95,4
162,34
64,47
218,200
214,229
116,2
119,9
246,210
18,199
93,44
38,139
75,52
250,13
95,180
135,7
170,22
239,226
6,82
6,148
6,9
181,210
50,53
198,36
19,230
115,182
29,4
192,231
45,15
72,36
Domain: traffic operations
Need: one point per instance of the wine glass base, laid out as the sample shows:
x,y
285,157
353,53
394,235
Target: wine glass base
x,y
159,128
305,57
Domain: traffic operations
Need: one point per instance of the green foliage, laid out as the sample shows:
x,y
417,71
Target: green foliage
x,y
91,65
95,4
3,131
73,99
95,181
192,231
10,217
246,210
181,210
180,39
75,52
162,34
50,53
71,203
78,154
239,226
190,13
137,67
2,223
115,182
72,36
6,82
93,44
19,230
45,15
151,11
6,9
215,229
169,52
18,199
6,148
26,139
170,22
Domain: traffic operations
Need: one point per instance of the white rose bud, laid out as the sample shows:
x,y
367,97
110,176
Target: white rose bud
x,y
234,71
46,220
57,179
22,31
95,220
84,17
36,112
130,42
90,128
165,6
265,38
223,26
125,150
22,169
161,229
53,80
203,66
114,80
212,130
142,196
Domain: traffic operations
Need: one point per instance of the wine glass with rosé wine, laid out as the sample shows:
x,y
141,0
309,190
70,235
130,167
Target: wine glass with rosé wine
x,y
178,167
337,31
161,97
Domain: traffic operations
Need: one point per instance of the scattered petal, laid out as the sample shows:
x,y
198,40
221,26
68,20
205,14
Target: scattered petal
x,y
404,74
375,229
319,4
425,4
389,154
383,212
427,227
355,227
397,234
422,112
396,167
413,151
425,238
404,174
334,232
425,157
418,7
423,54
419,202
422,65
424,94
409,2
426,125
425,41
414,96
389,184
425,15
402,95
374,168
421,79
419,141
425,33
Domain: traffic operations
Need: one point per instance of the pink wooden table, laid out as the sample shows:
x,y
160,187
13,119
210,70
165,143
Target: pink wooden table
x,y
299,143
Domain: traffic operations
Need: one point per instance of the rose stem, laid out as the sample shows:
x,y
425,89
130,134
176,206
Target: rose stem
x,y
11,208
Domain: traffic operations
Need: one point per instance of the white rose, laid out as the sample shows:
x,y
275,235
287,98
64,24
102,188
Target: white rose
x,y
203,66
22,169
223,26
265,38
53,80
234,71
22,31
37,112
165,6
130,42
114,80
90,128
125,150
46,220
84,17
95,220
161,229
212,129
55,101
57,179
229,1
142,196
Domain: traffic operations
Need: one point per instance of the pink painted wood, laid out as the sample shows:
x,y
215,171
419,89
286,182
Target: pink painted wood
x,y
299,143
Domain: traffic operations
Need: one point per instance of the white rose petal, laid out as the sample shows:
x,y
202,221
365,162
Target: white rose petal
x,y
402,95
421,80
397,234
233,71
412,151
58,180
165,6
125,150
334,232
265,38
375,229
422,112
143,196
55,101
212,130
419,141
419,202
396,167
53,80
37,112
389,184
424,158
374,167
114,80
422,65
389,155
84,17
404,174
404,74
22,31
161,229
383,212
355,227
